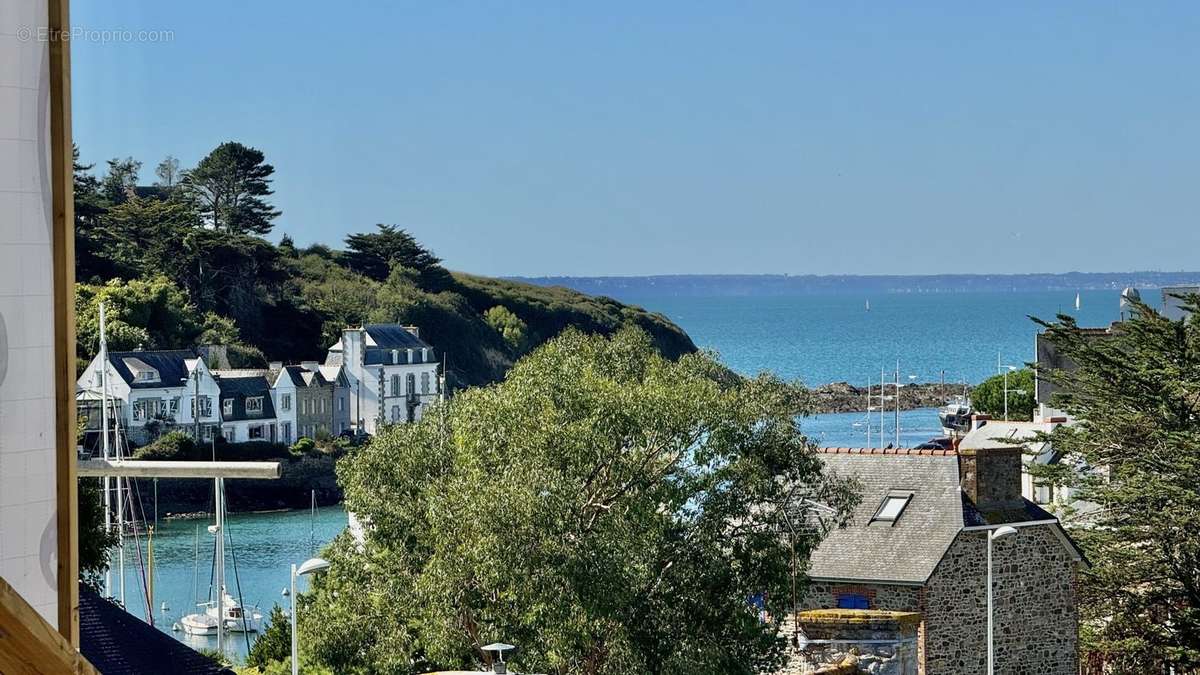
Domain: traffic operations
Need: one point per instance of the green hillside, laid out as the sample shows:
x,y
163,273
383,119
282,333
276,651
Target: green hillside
x,y
186,262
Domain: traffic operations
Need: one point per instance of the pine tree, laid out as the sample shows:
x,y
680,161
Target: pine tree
x,y
1134,455
228,188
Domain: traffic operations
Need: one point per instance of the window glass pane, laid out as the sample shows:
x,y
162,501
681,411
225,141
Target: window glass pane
x,y
892,506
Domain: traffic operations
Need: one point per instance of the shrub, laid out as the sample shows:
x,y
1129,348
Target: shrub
x,y
175,445
303,446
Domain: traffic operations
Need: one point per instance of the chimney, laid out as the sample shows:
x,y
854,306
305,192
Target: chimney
x,y
216,356
310,366
416,332
991,476
978,420
352,347
275,366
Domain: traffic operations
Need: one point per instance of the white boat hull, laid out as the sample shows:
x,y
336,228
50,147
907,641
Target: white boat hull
x,y
199,624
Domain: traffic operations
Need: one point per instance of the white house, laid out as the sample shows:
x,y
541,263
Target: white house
x,y
247,408
285,395
391,373
151,392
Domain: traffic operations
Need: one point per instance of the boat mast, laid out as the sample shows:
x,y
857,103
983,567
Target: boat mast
x,y
881,406
897,403
105,482
868,411
220,506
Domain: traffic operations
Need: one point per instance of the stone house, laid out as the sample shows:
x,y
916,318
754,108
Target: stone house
x,y
918,544
312,403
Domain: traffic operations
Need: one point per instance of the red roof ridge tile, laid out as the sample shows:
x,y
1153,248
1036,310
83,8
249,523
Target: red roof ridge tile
x,y
903,452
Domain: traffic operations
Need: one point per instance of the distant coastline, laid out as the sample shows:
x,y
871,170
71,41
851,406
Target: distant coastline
x,y
622,287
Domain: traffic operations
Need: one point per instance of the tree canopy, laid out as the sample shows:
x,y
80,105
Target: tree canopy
x,y
988,397
604,508
1132,454
229,186
374,254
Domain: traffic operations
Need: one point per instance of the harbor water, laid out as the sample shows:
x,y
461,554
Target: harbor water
x,y
265,545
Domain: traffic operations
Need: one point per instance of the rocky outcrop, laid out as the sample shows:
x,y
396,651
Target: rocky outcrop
x,y
842,397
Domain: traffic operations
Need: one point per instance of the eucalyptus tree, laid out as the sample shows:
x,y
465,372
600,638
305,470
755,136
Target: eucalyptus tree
x,y
605,508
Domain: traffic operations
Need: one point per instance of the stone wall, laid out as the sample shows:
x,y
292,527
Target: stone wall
x,y
852,642
824,595
1036,625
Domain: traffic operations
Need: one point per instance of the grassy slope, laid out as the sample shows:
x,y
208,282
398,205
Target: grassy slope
x,y
546,311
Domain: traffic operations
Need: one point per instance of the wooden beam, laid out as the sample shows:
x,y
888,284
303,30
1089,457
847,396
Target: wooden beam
x,y
136,468
29,645
62,176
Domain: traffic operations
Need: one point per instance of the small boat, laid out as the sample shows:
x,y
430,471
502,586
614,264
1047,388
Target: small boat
x,y
238,619
955,416
1077,302
199,624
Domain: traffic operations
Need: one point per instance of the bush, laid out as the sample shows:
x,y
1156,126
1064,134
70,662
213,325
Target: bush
x,y
179,446
988,397
175,445
275,643
303,446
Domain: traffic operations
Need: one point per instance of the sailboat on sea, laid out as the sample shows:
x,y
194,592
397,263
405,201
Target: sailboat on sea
x,y
225,612
1077,303
868,304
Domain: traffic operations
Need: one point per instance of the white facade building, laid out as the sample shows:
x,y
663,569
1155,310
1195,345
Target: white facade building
x,y
247,407
391,373
151,392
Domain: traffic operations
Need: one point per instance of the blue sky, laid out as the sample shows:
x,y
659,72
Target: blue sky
x,y
683,137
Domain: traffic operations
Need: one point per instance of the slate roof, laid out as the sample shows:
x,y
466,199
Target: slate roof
x,y
171,366
908,550
393,336
238,388
116,642
1000,433
295,374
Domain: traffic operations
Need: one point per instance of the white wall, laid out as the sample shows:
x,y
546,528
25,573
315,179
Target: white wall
x,y
28,537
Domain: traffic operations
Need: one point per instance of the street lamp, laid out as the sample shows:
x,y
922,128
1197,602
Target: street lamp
x,y
991,535
310,566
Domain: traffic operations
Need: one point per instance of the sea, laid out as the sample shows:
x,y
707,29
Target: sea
x,y
815,339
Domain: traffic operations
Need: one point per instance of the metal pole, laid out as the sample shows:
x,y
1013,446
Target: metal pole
x,y
120,538
105,482
196,402
897,403
220,490
989,602
295,656
868,413
881,405
1006,395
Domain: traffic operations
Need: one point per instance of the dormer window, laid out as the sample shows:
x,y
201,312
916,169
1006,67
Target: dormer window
x,y
227,407
892,507
254,405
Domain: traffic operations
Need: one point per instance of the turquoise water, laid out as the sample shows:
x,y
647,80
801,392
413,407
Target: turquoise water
x,y
844,430
265,545
832,338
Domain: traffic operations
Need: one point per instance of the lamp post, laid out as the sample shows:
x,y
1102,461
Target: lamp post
x,y
991,535
310,566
